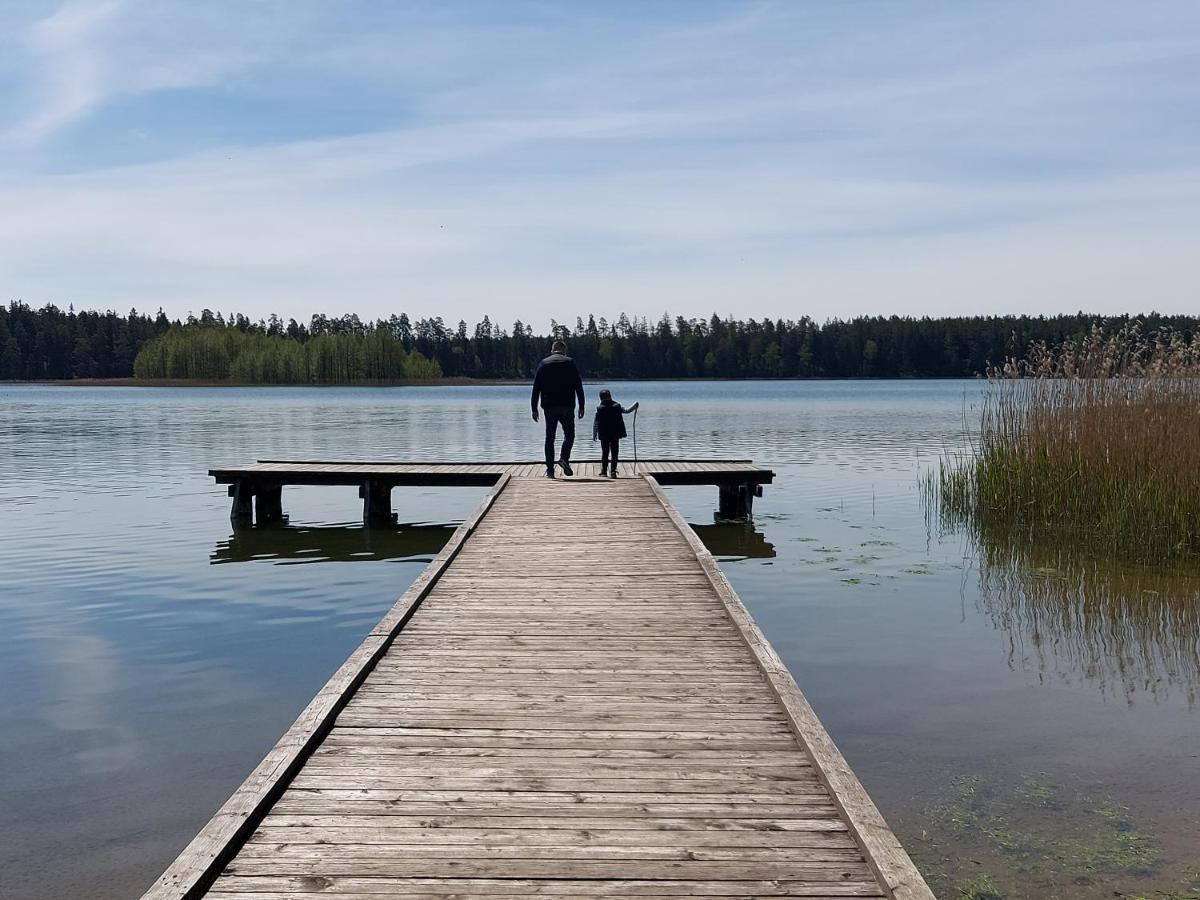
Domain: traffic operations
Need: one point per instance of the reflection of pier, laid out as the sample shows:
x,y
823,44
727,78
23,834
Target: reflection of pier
x,y
735,539
351,543
336,543
570,701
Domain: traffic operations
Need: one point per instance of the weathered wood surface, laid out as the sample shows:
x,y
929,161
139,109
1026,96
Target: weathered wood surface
x,y
575,704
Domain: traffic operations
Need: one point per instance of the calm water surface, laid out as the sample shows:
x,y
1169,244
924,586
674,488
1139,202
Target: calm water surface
x,y
1028,726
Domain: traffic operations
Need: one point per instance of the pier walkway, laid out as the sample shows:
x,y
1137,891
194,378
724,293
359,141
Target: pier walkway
x,y
571,701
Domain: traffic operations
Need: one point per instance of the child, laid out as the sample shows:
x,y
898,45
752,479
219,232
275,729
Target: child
x,y
609,426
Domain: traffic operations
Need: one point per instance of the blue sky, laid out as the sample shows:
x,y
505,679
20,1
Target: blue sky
x,y
537,160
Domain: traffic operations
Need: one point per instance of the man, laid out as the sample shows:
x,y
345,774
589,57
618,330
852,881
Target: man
x,y
558,384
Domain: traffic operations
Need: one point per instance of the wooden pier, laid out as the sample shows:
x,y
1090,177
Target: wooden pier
x,y
257,490
571,701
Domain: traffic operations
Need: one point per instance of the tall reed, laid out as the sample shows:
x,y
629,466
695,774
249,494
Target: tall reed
x,y
1094,443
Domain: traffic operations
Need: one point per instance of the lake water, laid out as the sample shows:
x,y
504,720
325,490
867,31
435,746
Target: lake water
x,y
1029,728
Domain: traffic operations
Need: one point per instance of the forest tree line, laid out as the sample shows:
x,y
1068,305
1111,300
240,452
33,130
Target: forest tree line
x,y
48,343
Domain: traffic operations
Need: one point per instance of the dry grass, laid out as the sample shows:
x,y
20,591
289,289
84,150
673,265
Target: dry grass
x,y
1094,444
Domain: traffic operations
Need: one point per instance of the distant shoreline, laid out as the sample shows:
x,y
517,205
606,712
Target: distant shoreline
x,y
456,381
204,383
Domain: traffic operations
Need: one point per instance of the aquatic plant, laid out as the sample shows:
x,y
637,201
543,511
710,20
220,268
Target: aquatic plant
x,y
979,888
1093,443
987,839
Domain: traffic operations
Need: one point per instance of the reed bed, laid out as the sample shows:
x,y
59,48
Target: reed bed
x,y
1093,444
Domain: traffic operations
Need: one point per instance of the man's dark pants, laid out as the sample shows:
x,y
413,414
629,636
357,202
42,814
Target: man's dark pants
x,y
555,416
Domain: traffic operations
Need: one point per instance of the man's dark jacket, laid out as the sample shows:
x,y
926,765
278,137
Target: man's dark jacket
x,y
557,382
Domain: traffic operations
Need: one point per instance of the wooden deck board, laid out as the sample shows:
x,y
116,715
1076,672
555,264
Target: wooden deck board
x,y
542,716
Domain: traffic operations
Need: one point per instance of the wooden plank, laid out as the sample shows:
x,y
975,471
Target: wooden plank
x,y
402,710
686,706
631,677
273,888
707,805
581,770
386,864
534,668
381,814
683,788
426,847
579,737
558,830
626,726
549,647
482,694
534,756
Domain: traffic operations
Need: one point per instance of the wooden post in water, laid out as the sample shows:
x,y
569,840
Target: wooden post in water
x,y
736,501
377,502
268,503
242,511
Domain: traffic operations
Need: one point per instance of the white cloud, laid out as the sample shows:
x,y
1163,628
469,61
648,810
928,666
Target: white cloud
x,y
73,72
90,52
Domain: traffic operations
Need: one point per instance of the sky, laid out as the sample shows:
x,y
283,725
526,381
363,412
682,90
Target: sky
x,y
538,160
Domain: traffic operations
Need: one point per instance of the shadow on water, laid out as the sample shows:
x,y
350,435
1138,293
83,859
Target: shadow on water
x,y
331,543
286,544
726,540
1133,631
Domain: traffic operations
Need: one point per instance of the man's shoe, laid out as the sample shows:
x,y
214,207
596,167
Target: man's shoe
x,y
566,467
613,473
549,471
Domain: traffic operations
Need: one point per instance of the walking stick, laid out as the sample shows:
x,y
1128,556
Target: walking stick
x,y
635,456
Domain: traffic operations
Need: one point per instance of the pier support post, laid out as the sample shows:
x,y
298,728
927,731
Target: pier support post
x,y
377,502
736,501
268,503
242,493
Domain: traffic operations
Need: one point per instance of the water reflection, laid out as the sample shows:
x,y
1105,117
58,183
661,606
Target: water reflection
x,y
286,544
337,543
735,540
1129,630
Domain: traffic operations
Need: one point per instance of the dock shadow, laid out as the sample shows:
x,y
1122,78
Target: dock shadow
x,y
735,539
331,543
